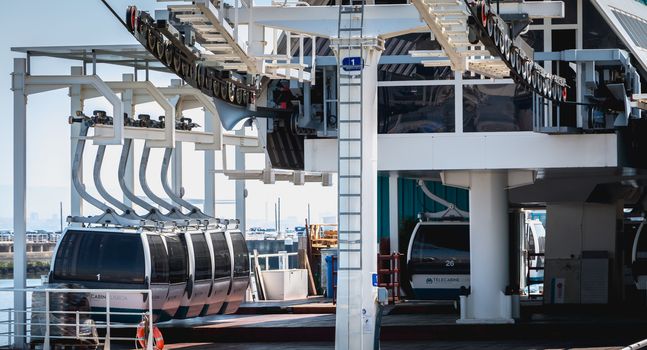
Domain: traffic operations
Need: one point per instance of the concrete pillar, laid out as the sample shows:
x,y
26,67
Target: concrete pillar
x,y
488,248
394,240
129,108
356,294
489,255
76,104
19,198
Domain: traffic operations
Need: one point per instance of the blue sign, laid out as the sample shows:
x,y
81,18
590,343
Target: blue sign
x,y
352,63
375,280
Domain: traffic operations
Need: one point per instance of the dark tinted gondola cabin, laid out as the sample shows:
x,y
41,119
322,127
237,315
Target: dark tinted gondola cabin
x,y
438,259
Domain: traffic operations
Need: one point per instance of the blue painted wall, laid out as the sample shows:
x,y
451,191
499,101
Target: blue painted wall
x,y
412,201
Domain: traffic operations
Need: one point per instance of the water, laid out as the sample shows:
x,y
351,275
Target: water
x,y
6,302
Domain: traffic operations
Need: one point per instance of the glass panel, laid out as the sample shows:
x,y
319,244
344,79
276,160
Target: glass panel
x,y
221,254
177,259
496,107
416,109
202,257
159,260
596,32
534,38
400,47
64,264
570,17
100,256
565,40
121,257
441,249
241,256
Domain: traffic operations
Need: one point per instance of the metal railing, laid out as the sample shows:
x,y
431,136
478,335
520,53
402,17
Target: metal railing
x,y
282,256
54,322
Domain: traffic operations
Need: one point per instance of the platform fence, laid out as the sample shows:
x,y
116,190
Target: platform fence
x,y
66,317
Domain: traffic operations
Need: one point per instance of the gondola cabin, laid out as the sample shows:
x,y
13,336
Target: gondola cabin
x,y
639,258
239,271
178,262
115,258
200,277
438,259
217,240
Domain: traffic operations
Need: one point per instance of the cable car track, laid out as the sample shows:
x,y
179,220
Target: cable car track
x,y
495,34
179,59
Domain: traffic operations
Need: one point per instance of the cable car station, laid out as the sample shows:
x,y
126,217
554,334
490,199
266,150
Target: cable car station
x,y
441,123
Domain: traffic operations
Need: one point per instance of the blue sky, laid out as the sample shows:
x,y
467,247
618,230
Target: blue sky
x,y
88,22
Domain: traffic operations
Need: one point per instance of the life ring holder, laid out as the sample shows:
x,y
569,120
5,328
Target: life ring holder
x,y
142,335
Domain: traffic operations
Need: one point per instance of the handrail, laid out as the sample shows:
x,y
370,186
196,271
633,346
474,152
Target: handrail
x,y
282,255
78,328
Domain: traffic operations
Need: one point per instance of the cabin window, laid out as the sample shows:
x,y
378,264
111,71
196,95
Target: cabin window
x,y
496,107
176,259
441,249
121,258
202,257
100,256
222,259
241,255
159,260
416,109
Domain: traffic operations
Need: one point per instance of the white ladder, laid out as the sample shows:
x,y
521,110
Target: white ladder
x,y
349,84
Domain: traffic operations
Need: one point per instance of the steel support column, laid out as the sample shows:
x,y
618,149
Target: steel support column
x,y
19,199
129,108
209,170
76,104
240,185
394,240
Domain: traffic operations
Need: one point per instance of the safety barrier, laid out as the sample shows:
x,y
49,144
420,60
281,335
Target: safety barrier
x,y
70,316
282,256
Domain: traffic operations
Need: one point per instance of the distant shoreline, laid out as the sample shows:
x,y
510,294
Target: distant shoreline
x,y
35,269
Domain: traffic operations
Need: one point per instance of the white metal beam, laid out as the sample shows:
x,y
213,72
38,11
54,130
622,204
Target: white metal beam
x,y
154,92
42,83
19,200
383,20
76,104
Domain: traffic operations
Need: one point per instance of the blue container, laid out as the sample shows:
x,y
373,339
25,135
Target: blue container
x,y
330,267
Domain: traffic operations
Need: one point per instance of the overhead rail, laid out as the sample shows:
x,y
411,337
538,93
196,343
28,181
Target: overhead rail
x,y
475,38
215,35
271,176
41,83
166,44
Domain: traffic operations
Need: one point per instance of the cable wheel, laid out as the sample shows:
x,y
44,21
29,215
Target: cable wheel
x,y
168,55
177,61
232,92
161,49
223,91
490,27
216,88
151,42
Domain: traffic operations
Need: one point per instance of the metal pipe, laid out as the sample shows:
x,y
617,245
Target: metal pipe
x,y
144,182
76,170
167,189
123,162
98,162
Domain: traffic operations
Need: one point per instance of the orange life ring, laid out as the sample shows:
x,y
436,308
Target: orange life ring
x,y
142,336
